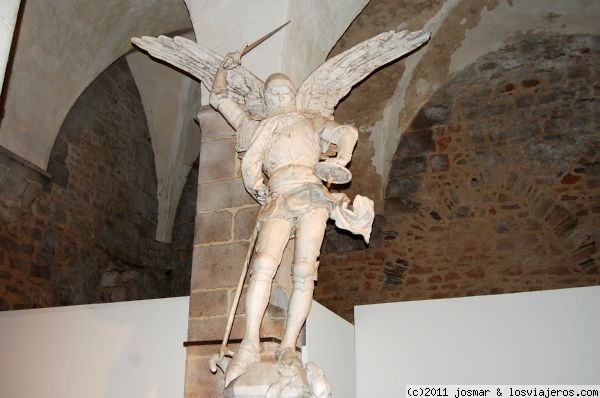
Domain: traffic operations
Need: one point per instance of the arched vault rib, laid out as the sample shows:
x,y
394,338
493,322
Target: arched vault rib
x,y
61,48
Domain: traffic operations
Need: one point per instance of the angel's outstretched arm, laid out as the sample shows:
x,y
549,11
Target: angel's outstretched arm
x,y
235,114
231,110
344,136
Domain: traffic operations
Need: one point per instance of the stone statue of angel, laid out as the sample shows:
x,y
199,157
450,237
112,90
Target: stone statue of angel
x,y
284,133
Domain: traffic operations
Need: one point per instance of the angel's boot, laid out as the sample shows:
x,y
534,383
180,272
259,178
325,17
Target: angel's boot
x,y
246,355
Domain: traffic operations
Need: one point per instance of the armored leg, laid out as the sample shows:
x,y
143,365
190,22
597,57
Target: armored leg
x,y
271,241
310,229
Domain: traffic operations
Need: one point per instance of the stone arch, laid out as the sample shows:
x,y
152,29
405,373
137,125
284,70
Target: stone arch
x,y
171,99
89,236
510,146
493,187
60,50
461,31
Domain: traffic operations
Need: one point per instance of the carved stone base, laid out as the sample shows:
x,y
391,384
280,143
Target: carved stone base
x,y
270,380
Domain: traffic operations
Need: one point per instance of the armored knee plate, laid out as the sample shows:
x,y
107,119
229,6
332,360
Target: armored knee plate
x,y
303,275
264,267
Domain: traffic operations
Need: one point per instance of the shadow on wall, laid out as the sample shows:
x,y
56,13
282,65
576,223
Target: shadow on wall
x,y
494,188
88,235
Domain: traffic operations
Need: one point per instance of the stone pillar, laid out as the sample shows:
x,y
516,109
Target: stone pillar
x,y
225,219
8,18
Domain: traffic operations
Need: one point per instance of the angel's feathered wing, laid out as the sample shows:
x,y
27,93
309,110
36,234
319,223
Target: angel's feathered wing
x,y
244,87
329,83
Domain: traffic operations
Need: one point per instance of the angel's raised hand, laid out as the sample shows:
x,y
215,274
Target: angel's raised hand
x,y
231,60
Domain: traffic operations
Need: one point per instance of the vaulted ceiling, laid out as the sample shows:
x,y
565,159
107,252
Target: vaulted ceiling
x,y
60,47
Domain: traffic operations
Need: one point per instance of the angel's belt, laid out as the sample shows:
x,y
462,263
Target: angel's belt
x,y
277,182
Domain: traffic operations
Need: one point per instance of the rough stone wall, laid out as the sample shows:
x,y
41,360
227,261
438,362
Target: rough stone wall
x,y
87,235
494,188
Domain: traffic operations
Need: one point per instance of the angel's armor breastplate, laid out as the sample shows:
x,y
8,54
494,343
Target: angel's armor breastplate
x,y
292,153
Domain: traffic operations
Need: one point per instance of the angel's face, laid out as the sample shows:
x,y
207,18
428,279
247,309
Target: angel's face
x,y
280,97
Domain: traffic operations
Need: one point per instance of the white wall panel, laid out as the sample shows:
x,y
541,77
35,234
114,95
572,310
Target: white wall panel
x,y
119,350
330,344
546,337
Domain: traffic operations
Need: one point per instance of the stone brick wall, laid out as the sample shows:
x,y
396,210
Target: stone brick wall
x,y
495,187
86,234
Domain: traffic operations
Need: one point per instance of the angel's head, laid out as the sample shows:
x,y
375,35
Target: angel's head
x,y
280,94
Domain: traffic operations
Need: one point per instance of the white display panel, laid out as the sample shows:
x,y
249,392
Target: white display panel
x,y
546,337
119,350
132,349
330,344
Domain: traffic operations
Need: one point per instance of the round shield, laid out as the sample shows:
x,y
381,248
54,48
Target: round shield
x,y
332,173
